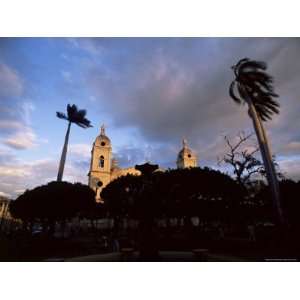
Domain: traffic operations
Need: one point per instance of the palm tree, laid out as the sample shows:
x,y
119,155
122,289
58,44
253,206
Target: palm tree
x,y
73,116
253,86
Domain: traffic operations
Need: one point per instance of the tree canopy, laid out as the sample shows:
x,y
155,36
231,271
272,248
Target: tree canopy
x,y
54,201
178,192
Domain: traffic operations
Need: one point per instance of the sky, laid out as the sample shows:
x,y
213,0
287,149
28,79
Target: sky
x,y
149,92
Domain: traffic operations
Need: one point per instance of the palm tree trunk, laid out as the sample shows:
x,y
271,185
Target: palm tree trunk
x,y
63,155
267,159
273,170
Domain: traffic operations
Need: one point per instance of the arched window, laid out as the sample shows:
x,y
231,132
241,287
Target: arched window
x,y
101,161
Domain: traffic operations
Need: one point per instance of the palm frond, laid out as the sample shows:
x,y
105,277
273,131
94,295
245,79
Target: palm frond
x,y
72,111
252,65
259,75
243,91
61,115
76,116
236,67
260,89
81,113
241,62
263,113
257,85
84,123
232,93
268,106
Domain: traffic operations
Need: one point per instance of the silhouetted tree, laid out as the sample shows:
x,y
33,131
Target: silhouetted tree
x,y
180,193
254,87
56,201
241,157
73,116
120,196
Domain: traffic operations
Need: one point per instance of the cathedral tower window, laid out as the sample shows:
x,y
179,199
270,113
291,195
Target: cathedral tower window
x,y
101,161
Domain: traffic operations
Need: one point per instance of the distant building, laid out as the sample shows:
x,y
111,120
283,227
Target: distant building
x,y
5,216
186,157
104,168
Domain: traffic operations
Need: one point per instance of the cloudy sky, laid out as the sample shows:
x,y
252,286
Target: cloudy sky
x,y
150,93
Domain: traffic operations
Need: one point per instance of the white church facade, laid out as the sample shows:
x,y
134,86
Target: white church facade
x,y
104,168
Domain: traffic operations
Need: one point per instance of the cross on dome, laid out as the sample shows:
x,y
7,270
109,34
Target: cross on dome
x,y
102,132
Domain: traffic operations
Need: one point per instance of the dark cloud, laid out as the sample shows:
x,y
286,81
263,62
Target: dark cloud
x,y
170,88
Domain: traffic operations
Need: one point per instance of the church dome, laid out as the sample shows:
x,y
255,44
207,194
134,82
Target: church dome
x,y
102,139
185,151
186,157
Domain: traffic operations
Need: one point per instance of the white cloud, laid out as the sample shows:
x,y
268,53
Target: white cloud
x,y
82,150
20,134
15,114
10,125
17,175
23,139
14,171
290,167
10,82
27,107
291,148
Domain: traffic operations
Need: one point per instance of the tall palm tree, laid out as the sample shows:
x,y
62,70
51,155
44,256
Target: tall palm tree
x,y
253,86
74,115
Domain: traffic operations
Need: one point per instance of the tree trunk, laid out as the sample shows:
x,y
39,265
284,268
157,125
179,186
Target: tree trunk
x,y
63,155
148,240
275,180
267,159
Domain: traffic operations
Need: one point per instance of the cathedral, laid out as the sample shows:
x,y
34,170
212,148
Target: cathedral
x,y
104,168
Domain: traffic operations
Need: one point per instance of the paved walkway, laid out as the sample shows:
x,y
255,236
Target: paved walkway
x,y
165,256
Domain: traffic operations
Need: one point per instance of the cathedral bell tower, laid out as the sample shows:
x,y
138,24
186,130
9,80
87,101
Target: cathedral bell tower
x,y
100,168
186,158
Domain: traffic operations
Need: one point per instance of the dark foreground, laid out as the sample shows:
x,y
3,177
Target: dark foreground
x,y
93,247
